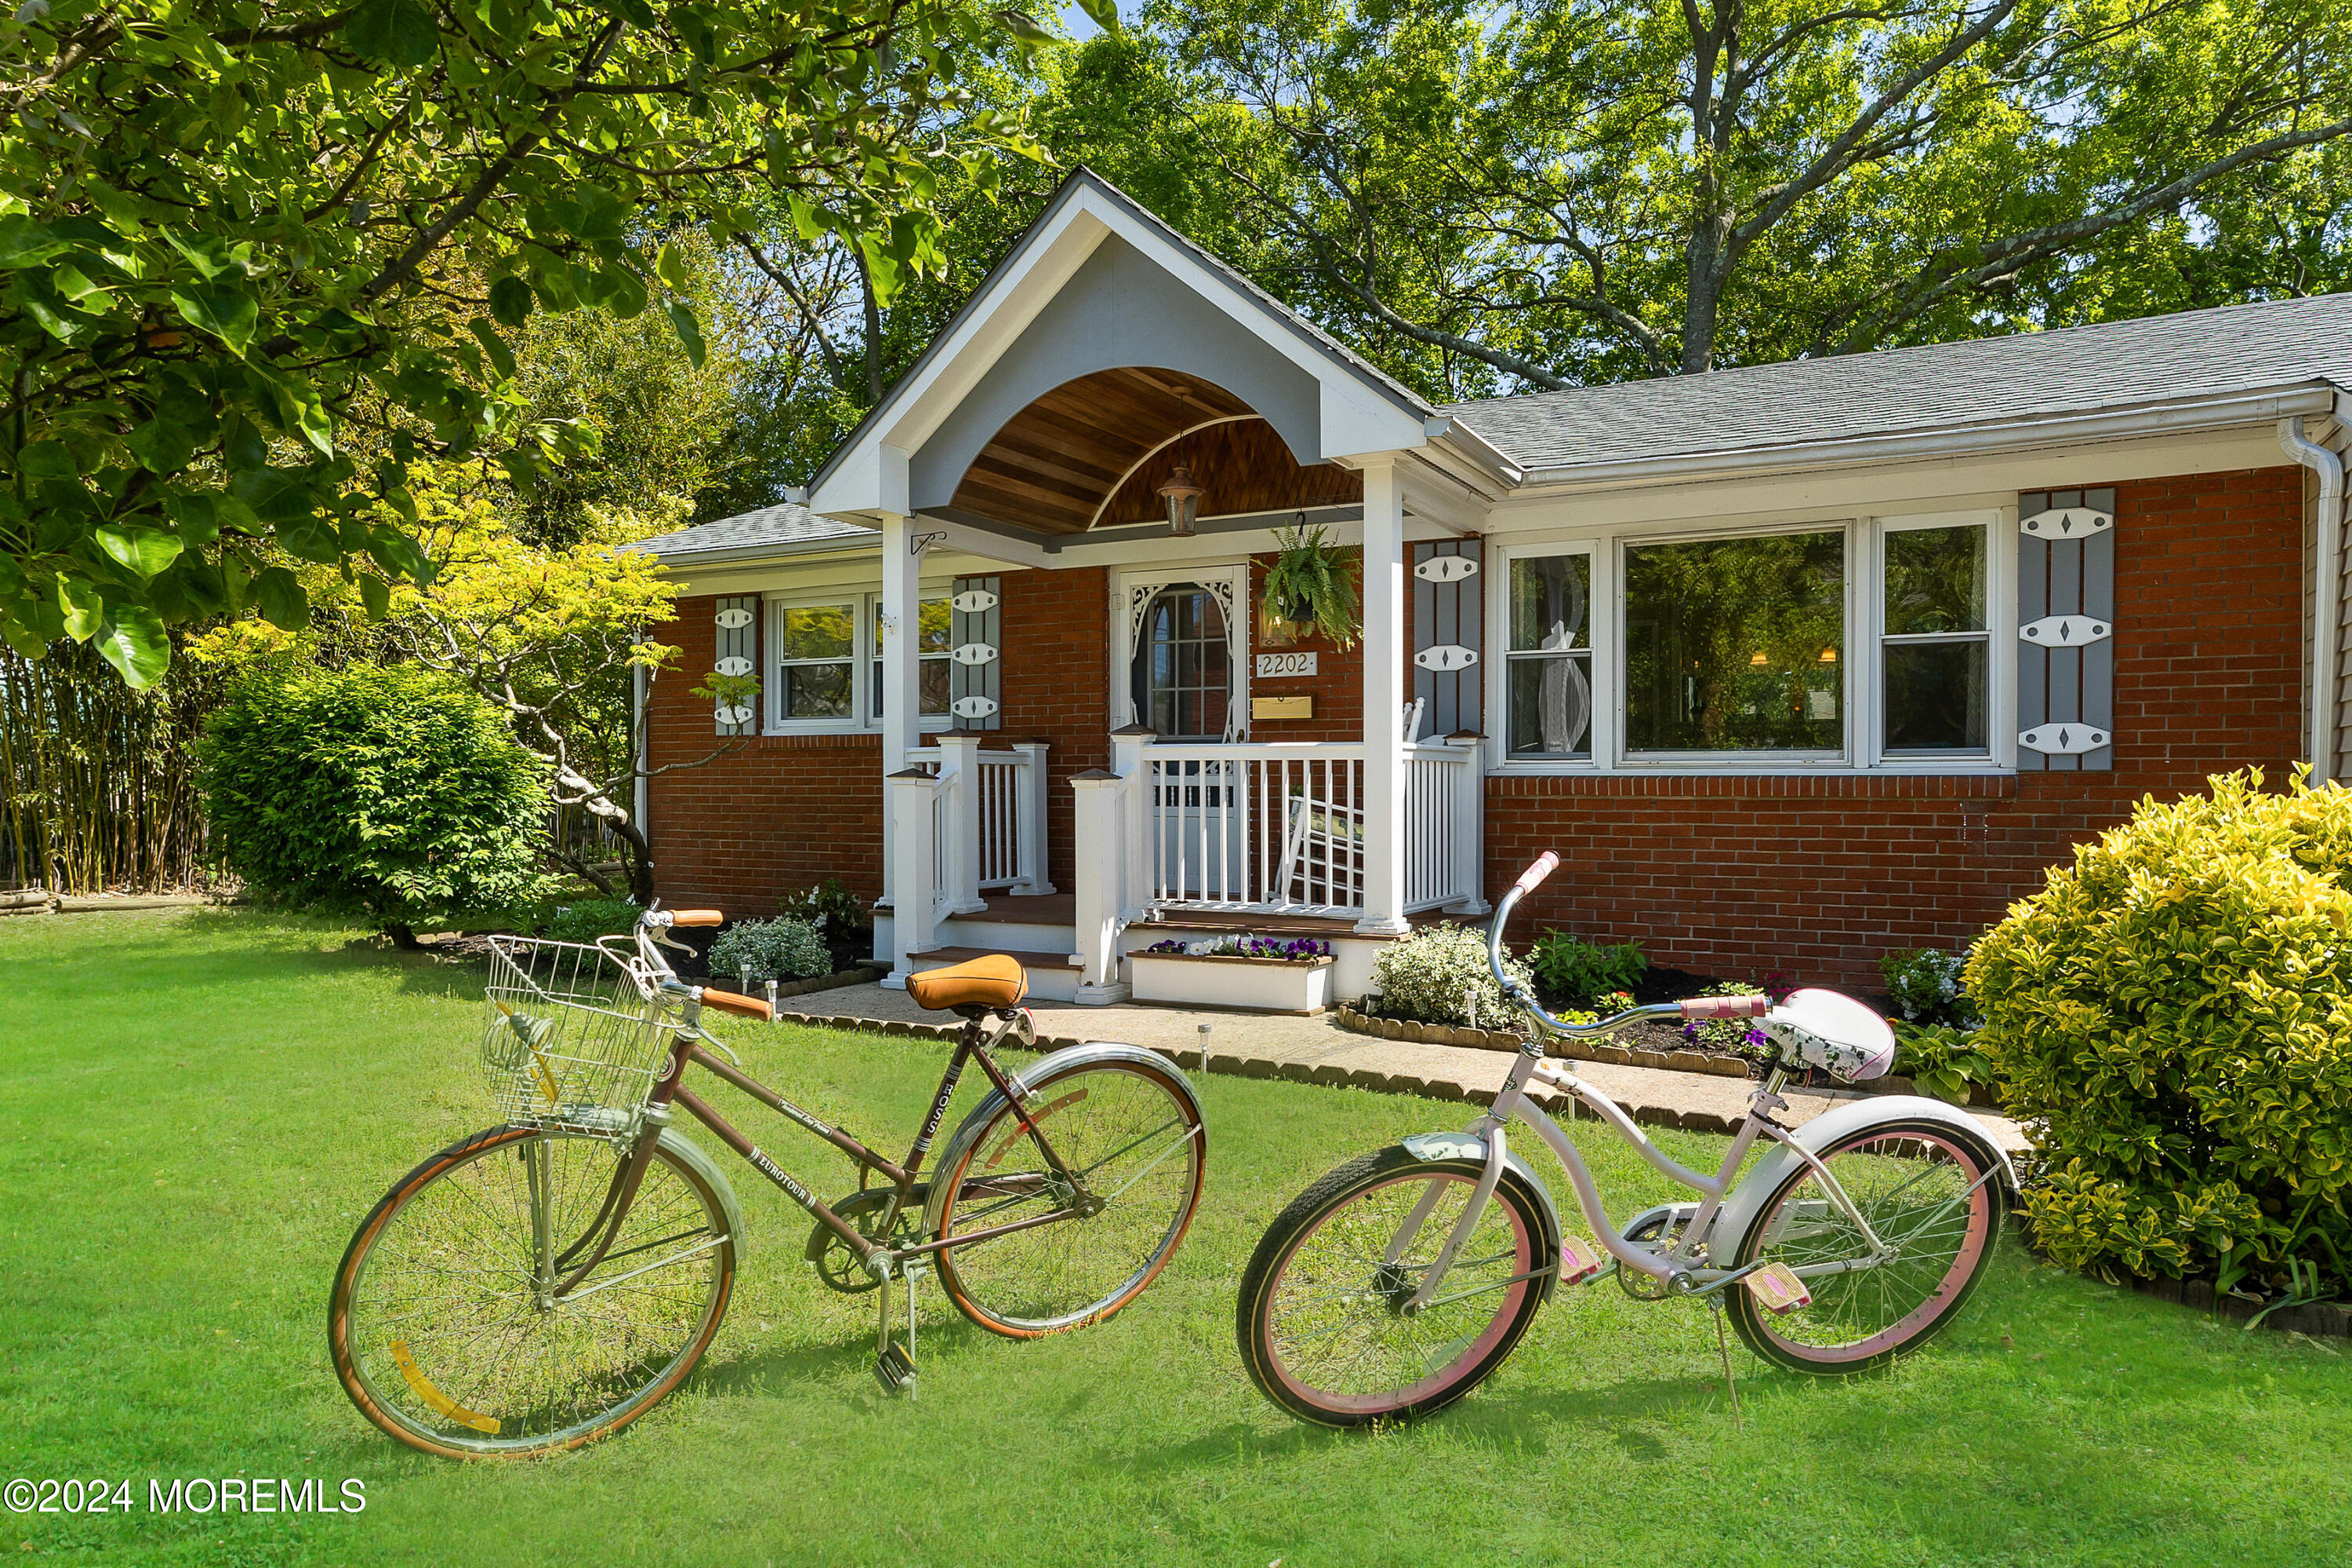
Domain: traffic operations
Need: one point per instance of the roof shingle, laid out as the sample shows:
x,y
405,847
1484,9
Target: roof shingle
x,y
787,523
2024,376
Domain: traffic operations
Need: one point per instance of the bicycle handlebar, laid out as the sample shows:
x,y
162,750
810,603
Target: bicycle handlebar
x,y
1702,1007
728,1002
696,918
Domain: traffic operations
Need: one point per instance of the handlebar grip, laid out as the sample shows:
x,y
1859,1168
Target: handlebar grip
x,y
1532,878
727,1002
1699,1008
696,918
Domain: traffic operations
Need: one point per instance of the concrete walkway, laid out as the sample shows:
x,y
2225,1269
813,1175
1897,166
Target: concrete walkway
x,y
1317,1050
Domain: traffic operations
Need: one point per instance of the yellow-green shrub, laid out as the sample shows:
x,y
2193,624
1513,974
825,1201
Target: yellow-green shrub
x,y
2172,1016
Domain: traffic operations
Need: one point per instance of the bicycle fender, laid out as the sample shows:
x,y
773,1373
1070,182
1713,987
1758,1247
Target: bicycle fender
x,y
1433,1147
1740,1210
692,1155
968,1130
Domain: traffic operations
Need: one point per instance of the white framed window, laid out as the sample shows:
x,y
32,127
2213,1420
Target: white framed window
x,y
819,681
1844,643
1935,639
1547,655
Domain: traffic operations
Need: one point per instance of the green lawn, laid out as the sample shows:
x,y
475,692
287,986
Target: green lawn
x,y
198,1107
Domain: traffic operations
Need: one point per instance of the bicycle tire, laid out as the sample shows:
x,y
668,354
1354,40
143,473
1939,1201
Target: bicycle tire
x,y
1276,1307
1861,1320
451,1408
1043,1280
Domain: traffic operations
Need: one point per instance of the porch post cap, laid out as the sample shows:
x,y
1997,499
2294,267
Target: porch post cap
x,y
1467,735
1134,730
912,774
1095,775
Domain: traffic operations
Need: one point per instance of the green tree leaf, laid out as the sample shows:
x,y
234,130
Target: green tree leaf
x,y
690,331
280,598
228,312
132,638
510,301
376,594
79,602
146,551
395,31
161,447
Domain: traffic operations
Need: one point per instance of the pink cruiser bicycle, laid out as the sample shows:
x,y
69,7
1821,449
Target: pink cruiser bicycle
x,y
1400,1281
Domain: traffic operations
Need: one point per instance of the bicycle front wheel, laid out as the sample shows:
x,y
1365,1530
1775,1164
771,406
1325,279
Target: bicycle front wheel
x,y
445,1330
1131,1134
1323,1321
1933,1196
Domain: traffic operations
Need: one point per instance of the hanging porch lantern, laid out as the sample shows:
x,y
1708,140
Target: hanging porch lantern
x,y
1183,497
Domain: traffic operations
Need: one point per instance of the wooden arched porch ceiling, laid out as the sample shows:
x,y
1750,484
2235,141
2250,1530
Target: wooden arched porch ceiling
x,y
1242,468
1083,454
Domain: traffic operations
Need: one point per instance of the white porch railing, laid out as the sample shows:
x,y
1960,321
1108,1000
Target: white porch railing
x,y
1280,828
962,822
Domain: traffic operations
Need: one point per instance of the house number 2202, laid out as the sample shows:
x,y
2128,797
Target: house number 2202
x,y
1277,665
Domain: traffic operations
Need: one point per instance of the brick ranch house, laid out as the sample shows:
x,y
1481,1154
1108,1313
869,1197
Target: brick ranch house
x,y
1793,663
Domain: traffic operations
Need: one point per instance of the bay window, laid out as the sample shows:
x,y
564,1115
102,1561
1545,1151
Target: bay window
x,y
1871,642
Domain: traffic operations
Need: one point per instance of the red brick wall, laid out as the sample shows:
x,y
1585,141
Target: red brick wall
x,y
1818,876
1056,686
778,812
786,811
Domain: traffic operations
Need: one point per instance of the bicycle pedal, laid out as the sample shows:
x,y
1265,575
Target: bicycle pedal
x,y
894,1371
1577,1262
1776,1288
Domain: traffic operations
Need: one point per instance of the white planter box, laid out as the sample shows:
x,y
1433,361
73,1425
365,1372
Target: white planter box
x,y
1266,984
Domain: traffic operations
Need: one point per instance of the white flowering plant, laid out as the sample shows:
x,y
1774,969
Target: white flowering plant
x,y
776,950
1440,975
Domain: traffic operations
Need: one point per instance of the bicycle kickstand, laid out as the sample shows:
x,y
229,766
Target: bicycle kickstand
x,y
894,1368
1723,1348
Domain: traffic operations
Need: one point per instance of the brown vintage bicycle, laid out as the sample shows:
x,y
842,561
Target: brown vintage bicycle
x,y
547,1281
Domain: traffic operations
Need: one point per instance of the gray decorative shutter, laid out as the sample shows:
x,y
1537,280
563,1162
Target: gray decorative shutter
x,y
1449,595
2065,630
738,654
976,621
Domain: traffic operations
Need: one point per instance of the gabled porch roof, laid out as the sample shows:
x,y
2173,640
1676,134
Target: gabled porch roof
x,y
1105,350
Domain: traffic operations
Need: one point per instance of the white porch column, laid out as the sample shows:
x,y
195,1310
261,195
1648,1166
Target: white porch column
x,y
1098,826
901,599
1384,654
913,807
1029,790
960,761
1139,822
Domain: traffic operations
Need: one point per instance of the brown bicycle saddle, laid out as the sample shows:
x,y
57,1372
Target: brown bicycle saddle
x,y
995,981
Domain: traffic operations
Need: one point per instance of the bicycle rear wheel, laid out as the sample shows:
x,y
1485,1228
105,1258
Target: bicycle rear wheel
x,y
441,1325
1322,1321
1933,1195
1131,1132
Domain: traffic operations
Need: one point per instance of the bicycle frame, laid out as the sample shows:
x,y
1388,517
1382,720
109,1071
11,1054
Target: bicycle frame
x,y
1674,1267
574,1263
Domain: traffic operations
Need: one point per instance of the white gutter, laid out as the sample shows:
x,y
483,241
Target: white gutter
x,y
2172,416
2326,607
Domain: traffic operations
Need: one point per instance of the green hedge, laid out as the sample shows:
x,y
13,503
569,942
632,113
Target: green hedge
x,y
390,790
2173,1014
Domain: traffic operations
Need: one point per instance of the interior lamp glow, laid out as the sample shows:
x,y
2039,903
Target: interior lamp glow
x,y
1183,497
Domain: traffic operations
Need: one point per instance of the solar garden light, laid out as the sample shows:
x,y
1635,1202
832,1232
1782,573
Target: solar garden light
x,y
771,1004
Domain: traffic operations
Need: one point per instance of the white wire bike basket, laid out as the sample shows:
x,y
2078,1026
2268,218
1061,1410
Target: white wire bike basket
x,y
575,1036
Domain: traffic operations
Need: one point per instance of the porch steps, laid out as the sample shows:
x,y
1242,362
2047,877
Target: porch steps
x,y
1052,976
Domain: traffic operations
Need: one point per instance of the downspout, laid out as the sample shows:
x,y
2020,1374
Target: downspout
x,y
2326,607
639,749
